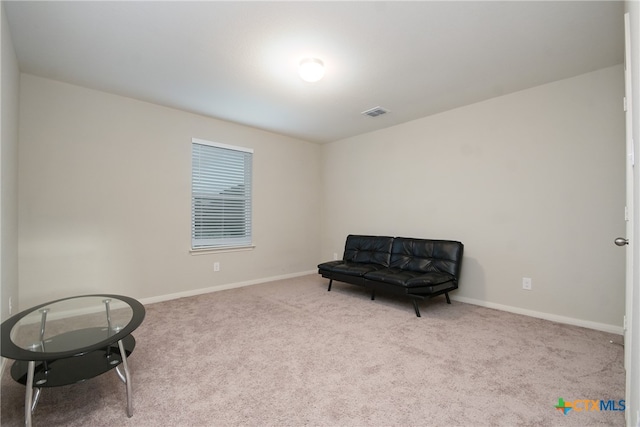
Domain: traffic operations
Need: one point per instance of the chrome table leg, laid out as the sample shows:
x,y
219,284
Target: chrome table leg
x,y
127,378
36,397
109,330
43,322
28,398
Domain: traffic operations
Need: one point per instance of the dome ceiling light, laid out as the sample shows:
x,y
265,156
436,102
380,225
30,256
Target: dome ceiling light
x,y
311,70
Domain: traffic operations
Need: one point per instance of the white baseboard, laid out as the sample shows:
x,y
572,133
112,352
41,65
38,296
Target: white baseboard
x,y
546,316
201,291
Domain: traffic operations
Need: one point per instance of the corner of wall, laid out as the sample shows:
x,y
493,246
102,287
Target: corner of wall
x,y
9,99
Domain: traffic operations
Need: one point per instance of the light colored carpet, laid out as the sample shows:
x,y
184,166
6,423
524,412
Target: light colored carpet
x,y
289,353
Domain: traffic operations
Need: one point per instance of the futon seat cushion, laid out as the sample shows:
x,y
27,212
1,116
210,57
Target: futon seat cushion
x,y
430,280
408,278
349,268
328,266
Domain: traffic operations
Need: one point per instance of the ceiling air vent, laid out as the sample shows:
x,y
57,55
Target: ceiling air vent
x,y
375,112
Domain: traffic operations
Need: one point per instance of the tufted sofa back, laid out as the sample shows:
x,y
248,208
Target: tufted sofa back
x,y
368,249
426,256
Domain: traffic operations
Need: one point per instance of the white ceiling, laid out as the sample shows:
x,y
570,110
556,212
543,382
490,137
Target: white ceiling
x,y
237,61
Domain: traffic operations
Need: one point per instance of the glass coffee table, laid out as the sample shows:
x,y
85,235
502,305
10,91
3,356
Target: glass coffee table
x,y
69,341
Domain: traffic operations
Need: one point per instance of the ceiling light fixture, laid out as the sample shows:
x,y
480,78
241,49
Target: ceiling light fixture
x,y
311,70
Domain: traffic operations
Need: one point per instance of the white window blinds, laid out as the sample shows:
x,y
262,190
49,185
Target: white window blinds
x,y
220,195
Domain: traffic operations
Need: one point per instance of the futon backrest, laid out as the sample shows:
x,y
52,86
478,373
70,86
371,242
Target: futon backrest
x,y
368,249
422,255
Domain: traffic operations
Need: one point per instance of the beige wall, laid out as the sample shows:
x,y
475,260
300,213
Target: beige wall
x,y
8,172
104,198
531,182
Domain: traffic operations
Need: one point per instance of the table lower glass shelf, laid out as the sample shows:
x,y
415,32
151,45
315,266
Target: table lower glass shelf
x,y
75,369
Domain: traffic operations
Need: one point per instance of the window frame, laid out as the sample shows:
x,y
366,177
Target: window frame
x,y
243,242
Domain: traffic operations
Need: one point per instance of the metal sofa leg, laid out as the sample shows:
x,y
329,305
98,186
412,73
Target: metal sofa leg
x,y
415,306
446,294
373,294
330,282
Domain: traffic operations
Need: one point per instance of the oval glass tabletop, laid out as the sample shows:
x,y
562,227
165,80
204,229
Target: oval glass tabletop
x,y
70,326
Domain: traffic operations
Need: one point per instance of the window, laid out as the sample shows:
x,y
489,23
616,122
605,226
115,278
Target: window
x,y
220,195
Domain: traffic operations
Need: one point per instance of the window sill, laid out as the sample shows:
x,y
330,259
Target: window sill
x,y
203,251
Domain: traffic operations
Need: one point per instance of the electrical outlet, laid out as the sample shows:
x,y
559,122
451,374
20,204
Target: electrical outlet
x,y
335,256
526,283
10,306
216,266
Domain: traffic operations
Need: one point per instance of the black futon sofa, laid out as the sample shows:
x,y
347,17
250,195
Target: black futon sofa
x,y
417,268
